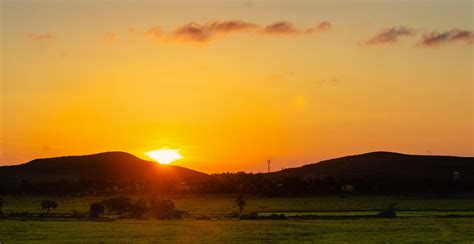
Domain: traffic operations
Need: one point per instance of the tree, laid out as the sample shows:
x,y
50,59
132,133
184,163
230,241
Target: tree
x,y
139,208
96,209
118,205
48,205
1,206
240,203
164,209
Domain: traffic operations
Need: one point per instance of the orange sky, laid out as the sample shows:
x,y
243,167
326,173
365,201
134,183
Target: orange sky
x,y
234,83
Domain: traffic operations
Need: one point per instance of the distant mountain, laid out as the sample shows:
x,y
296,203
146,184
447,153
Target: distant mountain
x,y
108,166
386,165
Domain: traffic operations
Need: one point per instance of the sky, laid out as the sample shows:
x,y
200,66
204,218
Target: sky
x,y
232,84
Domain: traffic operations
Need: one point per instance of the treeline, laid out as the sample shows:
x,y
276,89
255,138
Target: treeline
x,y
248,183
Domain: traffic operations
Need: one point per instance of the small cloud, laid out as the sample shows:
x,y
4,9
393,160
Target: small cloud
x,y
439,38
281,28
230,26
41,37
390,35
321,27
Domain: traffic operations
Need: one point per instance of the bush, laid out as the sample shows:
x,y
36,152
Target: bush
x,y
389,212
140,208
118,205
240,203
48,205
164,209
96,209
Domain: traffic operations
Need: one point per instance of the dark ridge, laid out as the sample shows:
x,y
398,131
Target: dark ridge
x,y
105,166
385,164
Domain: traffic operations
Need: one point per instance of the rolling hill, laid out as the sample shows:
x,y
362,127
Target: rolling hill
x,y
386,165
108,166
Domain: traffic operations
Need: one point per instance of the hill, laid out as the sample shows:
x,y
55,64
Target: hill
x,y
108,166
386,165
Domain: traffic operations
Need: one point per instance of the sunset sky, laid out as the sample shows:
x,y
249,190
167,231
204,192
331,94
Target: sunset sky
x,y
234,83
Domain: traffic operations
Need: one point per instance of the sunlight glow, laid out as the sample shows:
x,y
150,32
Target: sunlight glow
x,y
164,156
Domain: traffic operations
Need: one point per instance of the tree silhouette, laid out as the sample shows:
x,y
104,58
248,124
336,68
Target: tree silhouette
x,y
48,205
96,209
139,208
240,203
164,209
1,206
118,205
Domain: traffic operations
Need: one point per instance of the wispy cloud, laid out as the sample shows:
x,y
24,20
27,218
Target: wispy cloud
x,y
390,35
288,28
198,33
440,38
41,37
202,33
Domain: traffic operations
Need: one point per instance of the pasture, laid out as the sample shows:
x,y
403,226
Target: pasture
x,y
420,219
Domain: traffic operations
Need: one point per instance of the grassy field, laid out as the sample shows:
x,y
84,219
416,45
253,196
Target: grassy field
x,y
418,222
240,231
222,204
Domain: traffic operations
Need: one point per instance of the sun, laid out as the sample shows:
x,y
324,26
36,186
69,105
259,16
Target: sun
x,y
164,156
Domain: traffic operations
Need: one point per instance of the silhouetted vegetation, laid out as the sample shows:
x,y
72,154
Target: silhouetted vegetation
x,y
164,209
96,209
240,203
372,173
48,205
389,212
1,205
118,205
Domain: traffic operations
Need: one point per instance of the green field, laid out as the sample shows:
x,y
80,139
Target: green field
x,y
187,231
420,220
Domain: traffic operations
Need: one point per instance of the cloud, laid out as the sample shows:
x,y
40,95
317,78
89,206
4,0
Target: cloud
x,y
390,35
439,38
198,33
321,27
201,33
41,37
287,28
281,28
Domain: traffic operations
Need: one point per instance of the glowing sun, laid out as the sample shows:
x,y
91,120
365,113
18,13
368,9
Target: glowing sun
x,y
164,156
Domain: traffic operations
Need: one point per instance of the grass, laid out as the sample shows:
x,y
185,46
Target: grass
x,y
221,204
240,231
420,226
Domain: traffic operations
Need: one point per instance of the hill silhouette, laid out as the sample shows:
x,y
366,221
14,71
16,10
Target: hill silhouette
x,y
386,165
107,166
370,173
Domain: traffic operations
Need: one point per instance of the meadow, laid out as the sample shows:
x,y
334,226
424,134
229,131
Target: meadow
x,y
413,226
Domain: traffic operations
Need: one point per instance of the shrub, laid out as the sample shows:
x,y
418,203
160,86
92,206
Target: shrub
x,y
240,203
96,209
389,212
164,209
140,208
118,205
48,205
